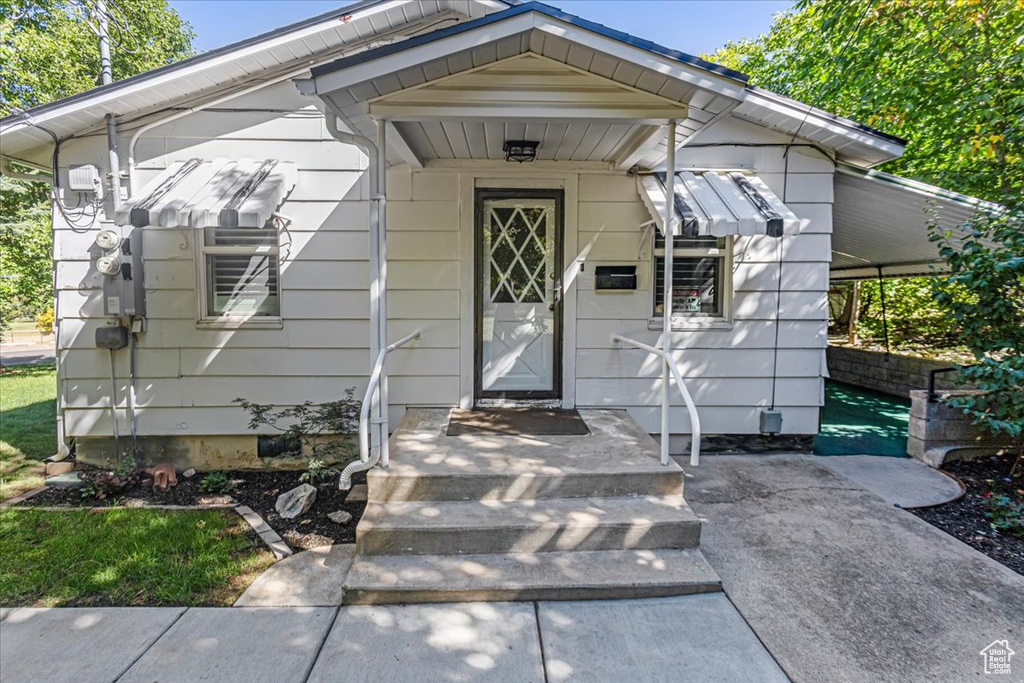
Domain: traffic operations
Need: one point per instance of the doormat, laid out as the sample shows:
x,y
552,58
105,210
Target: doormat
x,y
517,422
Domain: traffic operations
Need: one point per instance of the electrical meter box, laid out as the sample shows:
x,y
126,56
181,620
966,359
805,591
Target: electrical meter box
x,y
124,289
84,178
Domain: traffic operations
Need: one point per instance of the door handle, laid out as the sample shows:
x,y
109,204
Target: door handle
x,y
557,295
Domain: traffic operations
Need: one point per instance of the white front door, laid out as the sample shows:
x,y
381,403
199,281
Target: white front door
x,y
518,302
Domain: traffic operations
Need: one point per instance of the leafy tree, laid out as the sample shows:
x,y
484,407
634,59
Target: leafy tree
x,y
947,75
914,317
49,50
49,47
985,294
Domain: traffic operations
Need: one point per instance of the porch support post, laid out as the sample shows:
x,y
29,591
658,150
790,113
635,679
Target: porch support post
x,y
382,290
666,334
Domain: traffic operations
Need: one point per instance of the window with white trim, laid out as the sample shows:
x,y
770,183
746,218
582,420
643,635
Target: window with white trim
x,y
700,277
240,274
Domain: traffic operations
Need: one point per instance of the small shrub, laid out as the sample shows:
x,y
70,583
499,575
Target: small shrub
x,y
316,471
216,482
44,322
1006,515
103,484
304,425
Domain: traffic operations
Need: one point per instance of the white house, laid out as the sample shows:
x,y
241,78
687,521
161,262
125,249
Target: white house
x,y
517,227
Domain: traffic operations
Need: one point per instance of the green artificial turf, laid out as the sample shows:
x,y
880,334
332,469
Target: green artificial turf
x,y
126,557
859,421
28,426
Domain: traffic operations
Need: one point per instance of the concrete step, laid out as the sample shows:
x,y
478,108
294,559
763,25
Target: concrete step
x,y
616,459
543,525
574,575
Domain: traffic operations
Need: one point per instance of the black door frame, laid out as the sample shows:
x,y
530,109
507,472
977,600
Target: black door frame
x,y
481,195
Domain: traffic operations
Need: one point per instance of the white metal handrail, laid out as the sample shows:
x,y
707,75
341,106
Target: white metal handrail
x,y
367,460
667,358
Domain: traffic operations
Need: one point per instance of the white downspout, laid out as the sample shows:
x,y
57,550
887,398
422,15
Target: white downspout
x,y
666,334
377,341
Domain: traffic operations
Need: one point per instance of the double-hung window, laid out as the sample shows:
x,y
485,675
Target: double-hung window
x,y
700,278
240,275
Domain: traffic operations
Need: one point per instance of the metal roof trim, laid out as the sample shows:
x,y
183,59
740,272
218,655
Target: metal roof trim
x,y
916,186
525,8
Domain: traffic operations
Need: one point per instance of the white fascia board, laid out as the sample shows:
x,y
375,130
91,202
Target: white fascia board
x,y
102,100
642,58
801,115
421,54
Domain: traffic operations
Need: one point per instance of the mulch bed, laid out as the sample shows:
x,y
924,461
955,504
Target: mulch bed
x,y
257,489
967,518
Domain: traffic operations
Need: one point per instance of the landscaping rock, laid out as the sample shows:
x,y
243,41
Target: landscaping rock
x,y
189,473
340,517
358,494
293,503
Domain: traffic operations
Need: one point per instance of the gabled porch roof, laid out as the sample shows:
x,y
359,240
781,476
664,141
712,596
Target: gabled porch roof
x,y
456,93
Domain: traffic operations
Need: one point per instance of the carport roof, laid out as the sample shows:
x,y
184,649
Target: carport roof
x,y
880,224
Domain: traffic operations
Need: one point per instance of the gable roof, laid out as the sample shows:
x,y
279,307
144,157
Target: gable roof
x,y
358,26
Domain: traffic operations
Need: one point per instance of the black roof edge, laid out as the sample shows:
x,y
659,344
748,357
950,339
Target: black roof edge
x,y
849,123
216,52
524,8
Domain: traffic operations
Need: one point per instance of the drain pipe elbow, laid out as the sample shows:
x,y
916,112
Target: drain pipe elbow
x,y
354,468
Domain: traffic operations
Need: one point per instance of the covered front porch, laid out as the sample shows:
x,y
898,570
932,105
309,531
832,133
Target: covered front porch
x,y
540,120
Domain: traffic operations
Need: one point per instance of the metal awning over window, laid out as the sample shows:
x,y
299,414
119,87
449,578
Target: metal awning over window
x,y
205,194
717,204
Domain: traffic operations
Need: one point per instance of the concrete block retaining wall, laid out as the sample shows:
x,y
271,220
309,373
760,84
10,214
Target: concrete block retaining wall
x,y
939,432
897,375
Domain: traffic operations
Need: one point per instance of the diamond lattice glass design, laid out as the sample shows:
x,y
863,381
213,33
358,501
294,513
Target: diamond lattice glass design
x,y
517,254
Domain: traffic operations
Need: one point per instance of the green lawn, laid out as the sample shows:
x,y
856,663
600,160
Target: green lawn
x,y
28,426
126,557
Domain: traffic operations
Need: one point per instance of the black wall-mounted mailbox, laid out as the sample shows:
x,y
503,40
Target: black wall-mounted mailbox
x,y
615,277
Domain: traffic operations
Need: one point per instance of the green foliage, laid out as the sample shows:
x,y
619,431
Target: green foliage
x,y
1006,514
947,76
103,484
26,274
80,558
217,482
308,424
316,471
914,317
50,47
985,294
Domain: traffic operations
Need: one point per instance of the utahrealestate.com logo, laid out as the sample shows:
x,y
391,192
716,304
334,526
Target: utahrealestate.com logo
x,y
997,657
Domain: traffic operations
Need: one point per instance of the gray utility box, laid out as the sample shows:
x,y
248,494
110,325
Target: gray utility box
x,y
124,294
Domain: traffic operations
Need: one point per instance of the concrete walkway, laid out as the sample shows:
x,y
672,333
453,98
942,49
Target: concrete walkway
x,y
904,482
842,586
699,638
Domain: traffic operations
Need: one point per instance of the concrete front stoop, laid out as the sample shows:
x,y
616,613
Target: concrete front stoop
x,y
499,518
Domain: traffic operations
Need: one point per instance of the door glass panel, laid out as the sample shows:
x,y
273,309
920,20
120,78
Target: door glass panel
x,y
518,281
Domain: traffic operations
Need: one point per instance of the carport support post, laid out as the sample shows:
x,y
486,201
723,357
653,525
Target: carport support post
x,y
666,333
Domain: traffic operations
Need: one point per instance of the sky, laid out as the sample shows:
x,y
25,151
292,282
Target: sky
x,y
693,26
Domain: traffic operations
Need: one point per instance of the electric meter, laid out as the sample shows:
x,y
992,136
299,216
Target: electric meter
x,y
107,240
109,265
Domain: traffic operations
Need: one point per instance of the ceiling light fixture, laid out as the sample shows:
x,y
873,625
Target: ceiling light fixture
x,y
520,150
